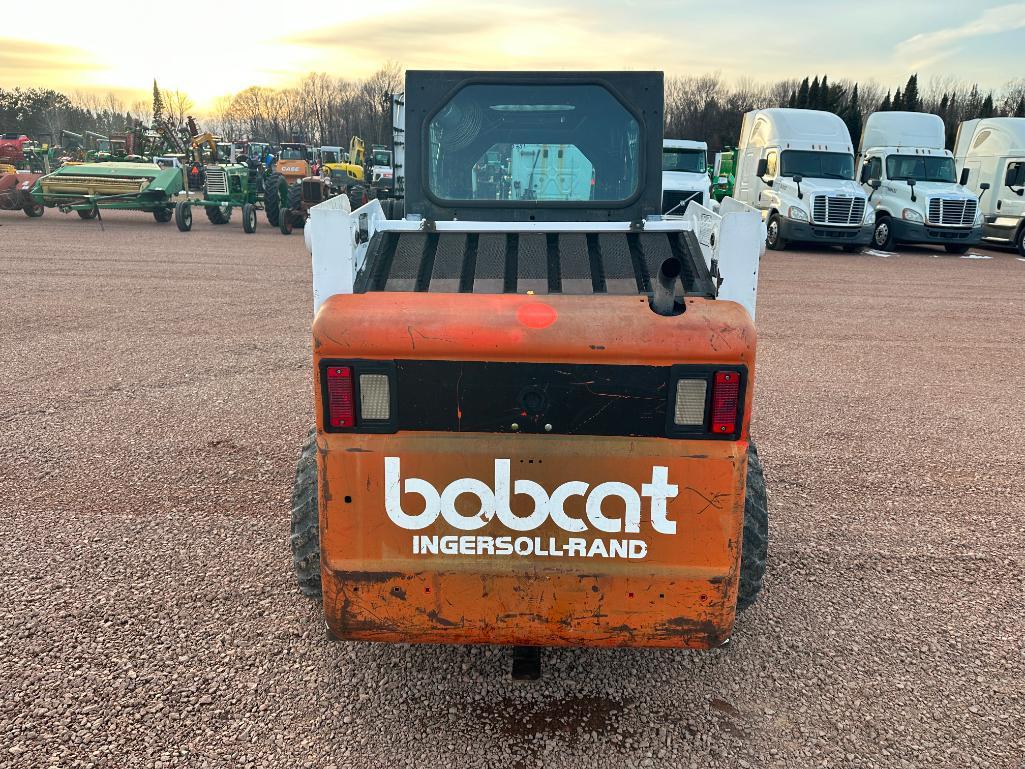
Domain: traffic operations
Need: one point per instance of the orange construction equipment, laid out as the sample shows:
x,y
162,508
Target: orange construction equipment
x,y
533,406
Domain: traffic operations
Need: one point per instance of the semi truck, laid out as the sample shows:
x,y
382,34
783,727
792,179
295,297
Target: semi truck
x,y
532,413
797,167
991,155
684,175
912,185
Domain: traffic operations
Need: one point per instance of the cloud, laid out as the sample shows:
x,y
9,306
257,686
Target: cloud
x,y
28,63
1003,18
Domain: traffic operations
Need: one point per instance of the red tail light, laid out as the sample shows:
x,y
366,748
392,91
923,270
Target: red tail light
x,y
724,402
341,411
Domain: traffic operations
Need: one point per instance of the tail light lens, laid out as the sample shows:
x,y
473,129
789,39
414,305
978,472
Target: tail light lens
x,y
374,397
341,411
690,402
725,392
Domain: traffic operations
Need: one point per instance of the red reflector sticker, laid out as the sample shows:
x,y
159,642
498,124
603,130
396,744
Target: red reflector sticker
x,y
724,402
341,409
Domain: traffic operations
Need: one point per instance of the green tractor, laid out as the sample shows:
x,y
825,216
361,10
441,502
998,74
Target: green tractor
x,y
724,173
225,188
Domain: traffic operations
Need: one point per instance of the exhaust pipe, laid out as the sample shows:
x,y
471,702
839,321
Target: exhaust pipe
x,y
663,289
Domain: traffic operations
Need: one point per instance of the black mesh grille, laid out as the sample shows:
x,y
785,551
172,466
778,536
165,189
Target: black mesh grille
x,y
521,262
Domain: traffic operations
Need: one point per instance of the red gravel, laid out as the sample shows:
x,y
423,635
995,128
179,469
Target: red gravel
x,y
156,388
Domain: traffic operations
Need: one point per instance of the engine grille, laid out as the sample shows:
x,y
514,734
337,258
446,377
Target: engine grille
x,y
216,181
672,198
952,212
313,191
832,209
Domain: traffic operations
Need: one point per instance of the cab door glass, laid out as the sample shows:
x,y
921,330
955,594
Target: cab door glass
x,y
772,164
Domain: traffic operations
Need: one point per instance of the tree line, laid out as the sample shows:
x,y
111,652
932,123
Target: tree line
x,y
325,110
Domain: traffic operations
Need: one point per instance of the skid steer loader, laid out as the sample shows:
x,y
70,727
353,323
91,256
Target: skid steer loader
x,y
533,392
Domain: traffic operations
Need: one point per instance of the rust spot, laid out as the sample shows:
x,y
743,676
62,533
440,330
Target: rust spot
x,y
399,593
439,620
597,346
356,450
368,577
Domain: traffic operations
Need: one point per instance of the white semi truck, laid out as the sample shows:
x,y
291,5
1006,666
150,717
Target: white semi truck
x,y
911,182
684,175
991,155
797,167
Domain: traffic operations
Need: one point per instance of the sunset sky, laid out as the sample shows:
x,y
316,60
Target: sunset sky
x,y
207,52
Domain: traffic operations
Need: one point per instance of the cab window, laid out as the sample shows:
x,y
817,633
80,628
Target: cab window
x,y
772,164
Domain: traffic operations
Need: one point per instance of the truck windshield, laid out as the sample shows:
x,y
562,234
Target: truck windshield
x,y
292,154
503,142
692,161
329,156
920,168
817,165
382,158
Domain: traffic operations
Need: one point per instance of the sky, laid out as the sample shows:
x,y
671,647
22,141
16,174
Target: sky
x,y
208,52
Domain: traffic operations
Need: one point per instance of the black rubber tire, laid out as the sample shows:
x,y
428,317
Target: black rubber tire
x,y
305,531
33,210
956,248
295,204
183,216
886,244
271,199
249,218
87,214
853,248
755,547
285,221
163,215
218,214
777,244
357,196
1020,241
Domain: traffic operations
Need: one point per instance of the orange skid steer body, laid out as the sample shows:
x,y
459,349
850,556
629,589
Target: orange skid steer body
x,y
467,519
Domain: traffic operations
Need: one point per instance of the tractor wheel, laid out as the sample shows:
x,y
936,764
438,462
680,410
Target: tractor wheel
x,y
956,248
183,216
163,215
87,214
218,214
882,236
357,196
295,204
305,531
271,199
285,221
755,546
33,210
249,218
773,234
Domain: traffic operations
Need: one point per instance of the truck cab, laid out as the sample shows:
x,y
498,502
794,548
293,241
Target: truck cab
x,y
532,400
912,185
797,167
991,155
684,175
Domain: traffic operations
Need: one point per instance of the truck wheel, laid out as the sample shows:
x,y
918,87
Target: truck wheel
x,y
87,214
163,215
271,199
956,248
295,204
1021,240
755,547
773,234
882,235
249,218
183,216
218,214
305,531
33,210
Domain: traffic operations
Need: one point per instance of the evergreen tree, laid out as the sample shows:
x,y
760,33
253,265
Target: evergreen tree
x,y
898,101
814,97
853,116
793,100
158,102
1019,111
802,95
886,105
826,100
987,106
912,102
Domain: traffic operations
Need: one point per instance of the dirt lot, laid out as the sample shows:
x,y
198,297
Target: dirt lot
x,y
156,387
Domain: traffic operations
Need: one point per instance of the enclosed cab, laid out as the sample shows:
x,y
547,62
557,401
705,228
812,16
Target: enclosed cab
x,y
684,175
912,184
382,174
532,409
797,167
991,155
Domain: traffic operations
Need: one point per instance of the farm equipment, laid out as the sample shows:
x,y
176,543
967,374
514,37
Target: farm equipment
x,y
16,191
89,188
225,187
532,415
382,174
334,179
724,173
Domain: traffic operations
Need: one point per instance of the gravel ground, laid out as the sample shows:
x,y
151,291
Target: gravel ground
x,y
156,388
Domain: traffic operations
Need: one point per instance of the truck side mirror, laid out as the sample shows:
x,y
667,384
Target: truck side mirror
x,y
1015,176
964,176
763,168
863,177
